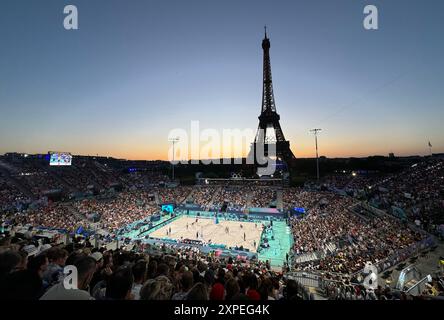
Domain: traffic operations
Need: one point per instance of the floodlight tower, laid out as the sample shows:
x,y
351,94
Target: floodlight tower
x,y
173,140
315,132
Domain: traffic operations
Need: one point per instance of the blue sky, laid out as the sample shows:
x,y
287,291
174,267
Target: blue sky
x,y
137,69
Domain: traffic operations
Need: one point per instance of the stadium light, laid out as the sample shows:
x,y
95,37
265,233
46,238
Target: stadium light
x,y
173,140
315,132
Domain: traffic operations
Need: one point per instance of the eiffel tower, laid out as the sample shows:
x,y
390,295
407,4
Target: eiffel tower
x,y
270,131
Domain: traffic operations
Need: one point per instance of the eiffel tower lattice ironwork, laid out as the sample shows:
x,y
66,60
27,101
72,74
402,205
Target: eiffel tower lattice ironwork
x,y
269,118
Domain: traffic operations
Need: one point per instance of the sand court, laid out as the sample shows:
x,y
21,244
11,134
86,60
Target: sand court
x,y
206,230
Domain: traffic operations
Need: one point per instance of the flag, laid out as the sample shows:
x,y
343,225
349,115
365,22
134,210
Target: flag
x,y
430,145
79,230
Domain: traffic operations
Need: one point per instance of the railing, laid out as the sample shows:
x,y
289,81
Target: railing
x,y
419,287
402,255
309,277
316,281
304,283
305,279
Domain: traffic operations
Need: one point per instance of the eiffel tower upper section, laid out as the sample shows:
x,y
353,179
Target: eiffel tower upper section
x,y
268,104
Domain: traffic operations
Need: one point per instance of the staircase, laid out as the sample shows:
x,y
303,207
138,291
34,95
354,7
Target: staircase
x,y
190,196
187,196
96,178
249,198
156,197
330,247
279,199
306,257
74,212
215,193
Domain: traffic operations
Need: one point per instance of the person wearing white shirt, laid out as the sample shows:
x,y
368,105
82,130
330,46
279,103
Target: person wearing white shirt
x,y
86,266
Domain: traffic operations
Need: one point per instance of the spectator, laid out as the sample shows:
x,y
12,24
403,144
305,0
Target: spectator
x,y
232,289
266,290
198,293
152,269
38,264
252,284
186,283
9,261
139,273
21,285
159,288
86,266
217,292
120,285
57,259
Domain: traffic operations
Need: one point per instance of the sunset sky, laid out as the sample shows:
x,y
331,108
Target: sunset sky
x,y
137,69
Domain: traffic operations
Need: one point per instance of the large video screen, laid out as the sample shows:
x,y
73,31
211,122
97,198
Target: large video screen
x,y
169,208
60,159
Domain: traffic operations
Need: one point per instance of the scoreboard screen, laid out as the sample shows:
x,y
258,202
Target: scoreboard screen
x,y
60,159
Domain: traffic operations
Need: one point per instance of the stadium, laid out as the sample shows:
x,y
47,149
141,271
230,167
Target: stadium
x,y
319,237
81,222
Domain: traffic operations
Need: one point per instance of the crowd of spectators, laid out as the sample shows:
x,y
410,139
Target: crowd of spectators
x,y
142,179
340,239
353,181
263,197
10,195
125,208
53,215
173,195
336,287
235,197
344,241
145,273
39,182
299,198
416,193
203,196
83,174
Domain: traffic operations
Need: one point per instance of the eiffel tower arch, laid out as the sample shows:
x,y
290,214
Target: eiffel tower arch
x,y
269,134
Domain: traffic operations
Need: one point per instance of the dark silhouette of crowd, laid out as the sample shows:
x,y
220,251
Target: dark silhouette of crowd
x,y
145,273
